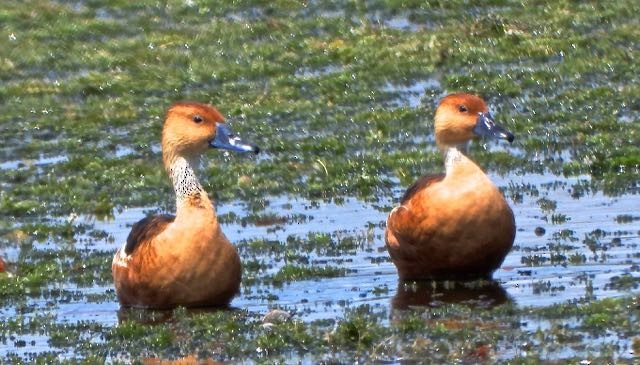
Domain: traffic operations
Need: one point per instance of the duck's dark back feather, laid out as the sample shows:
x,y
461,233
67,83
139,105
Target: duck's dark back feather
x,y
420,184
146,229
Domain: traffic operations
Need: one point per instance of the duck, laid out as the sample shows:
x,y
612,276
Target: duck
x,y
455,225
183,259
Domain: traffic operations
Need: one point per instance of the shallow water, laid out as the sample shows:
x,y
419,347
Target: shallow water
x,y
539,283
371,277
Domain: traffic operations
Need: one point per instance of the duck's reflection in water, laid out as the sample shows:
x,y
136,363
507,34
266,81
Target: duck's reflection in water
x,y
479,293
187,360
159,316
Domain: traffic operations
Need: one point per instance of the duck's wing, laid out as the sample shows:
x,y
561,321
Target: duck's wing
x,y
404,220
146,229
422,183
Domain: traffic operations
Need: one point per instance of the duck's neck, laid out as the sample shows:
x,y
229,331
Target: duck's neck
x,y
453,155
189,192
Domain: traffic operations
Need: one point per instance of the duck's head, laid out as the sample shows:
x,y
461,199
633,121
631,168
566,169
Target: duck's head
x,y
461,117
192,128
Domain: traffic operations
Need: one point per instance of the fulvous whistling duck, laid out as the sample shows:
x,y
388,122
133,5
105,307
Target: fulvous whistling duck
x,y
183,259
455,225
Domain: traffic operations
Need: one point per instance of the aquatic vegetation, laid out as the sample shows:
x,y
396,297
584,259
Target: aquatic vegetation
x,y
447,333
340,94
129,65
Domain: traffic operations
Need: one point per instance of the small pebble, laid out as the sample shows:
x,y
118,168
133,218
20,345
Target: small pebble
x,y
276,316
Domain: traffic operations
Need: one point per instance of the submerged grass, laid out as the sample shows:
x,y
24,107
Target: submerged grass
x,y
557,73
449,334
325,88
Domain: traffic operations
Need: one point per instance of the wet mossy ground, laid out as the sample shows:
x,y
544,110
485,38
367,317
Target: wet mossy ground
x,y
339,95
445,334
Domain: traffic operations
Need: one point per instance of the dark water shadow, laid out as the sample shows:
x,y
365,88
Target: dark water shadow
x,y
187,360
160,316
479,293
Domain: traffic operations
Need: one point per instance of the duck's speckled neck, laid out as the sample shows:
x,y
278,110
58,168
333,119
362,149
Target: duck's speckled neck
x,y
184,179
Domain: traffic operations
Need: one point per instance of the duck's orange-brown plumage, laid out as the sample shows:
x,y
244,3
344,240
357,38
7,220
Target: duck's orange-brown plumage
x,y
183,259
455,225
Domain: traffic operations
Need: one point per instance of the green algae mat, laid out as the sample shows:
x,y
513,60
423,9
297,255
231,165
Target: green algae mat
x,y
340,97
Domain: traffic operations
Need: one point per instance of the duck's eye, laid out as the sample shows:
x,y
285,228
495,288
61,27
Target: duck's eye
x,y
462,109
197,118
